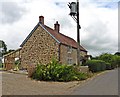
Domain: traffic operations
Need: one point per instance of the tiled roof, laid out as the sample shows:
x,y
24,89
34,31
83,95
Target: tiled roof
x,y
63,38
57,36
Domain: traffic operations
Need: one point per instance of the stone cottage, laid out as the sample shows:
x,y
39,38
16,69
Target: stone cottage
x,y
44,43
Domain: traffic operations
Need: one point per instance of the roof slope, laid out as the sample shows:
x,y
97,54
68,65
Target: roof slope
x,y
63,38
57,36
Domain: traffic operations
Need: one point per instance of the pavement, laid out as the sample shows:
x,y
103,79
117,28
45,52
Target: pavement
x,y
104,84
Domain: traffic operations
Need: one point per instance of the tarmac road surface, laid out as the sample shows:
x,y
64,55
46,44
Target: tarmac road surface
x,y
104,84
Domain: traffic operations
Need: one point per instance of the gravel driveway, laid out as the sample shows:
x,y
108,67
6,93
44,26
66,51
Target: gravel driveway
x,y
18,84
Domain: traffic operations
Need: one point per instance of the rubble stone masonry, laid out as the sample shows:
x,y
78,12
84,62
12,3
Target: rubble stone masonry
x,y
68,55
39,48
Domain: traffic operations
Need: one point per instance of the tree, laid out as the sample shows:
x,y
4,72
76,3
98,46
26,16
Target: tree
x,y
106,57
3,47
116,60
117,53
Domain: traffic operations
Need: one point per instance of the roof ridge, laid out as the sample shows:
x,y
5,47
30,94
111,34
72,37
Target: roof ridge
x,y
48,27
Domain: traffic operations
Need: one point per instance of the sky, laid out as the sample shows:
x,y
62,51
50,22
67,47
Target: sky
x,y
98,20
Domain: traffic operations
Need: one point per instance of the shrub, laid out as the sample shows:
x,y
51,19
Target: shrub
x,y
39,72
106,57
55,71
115,61
96,65
103,65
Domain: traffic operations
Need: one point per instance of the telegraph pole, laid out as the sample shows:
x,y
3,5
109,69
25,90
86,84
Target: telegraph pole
x,y
74,8
78,34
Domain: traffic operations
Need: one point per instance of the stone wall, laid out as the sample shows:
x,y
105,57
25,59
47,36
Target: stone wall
x,y
68,55
9,59
40,48
9,62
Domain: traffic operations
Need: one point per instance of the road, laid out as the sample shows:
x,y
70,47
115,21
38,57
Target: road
x,y
105,84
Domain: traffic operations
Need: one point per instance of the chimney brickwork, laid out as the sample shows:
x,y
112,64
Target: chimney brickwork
x,y
57,27
41,19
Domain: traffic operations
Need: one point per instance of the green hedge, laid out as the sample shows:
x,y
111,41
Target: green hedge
x,y
96,65
55,71
103,61
114,60
108,66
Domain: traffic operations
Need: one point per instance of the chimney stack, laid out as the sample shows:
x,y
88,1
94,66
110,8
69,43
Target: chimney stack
x,y
57,27
41,19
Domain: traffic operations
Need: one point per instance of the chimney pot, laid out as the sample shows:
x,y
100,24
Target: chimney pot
x,y
41,19
57,27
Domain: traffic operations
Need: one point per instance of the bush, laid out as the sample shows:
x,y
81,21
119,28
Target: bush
x,y
103,65
55,71
106,57
115,61
96,65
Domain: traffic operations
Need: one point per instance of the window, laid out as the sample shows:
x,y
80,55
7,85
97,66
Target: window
x,y
69,49
70,61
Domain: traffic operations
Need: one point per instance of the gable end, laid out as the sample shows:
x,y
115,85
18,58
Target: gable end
x,y
34,31
49,33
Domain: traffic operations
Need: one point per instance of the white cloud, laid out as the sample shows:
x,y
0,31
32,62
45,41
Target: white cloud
x,y
99,31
